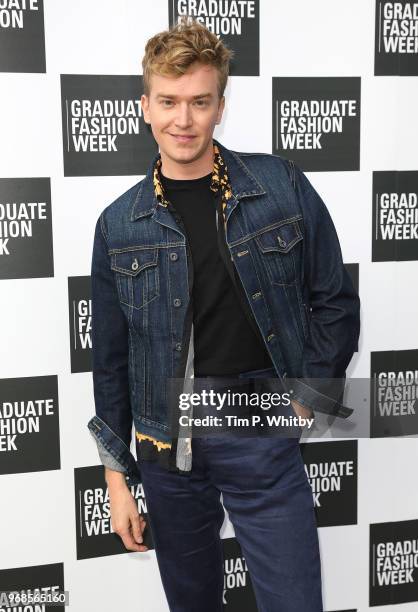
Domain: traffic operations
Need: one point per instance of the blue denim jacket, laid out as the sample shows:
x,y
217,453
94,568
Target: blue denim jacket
x,y
285,249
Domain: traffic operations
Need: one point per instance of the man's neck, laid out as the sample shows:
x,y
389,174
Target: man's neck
x,y
187,171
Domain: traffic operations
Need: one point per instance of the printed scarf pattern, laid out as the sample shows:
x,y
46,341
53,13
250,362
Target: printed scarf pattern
x,y
219,181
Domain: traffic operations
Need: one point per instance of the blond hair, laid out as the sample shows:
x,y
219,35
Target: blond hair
x,y
171,52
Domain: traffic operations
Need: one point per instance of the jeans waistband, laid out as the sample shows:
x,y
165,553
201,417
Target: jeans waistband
x,y
243,380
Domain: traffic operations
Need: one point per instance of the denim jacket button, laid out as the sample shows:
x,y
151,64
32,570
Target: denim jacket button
x,y
178,346
177,302
173,256
135,264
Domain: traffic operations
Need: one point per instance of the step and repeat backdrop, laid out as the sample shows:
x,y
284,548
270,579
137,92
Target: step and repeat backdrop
x,y
333,86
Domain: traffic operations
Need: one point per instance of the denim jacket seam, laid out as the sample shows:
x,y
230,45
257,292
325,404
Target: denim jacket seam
x,y
247,170
109,448
271,226
103,229
111,452
148,421
315,393
113,433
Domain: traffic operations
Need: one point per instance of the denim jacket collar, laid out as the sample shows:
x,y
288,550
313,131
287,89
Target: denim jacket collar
x,y
243,183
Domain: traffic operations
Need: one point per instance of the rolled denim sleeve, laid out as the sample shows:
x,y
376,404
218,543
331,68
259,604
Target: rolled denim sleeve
x,y
333,308
112,424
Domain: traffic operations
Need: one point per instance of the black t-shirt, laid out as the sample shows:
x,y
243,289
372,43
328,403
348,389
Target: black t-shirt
x,y
225,342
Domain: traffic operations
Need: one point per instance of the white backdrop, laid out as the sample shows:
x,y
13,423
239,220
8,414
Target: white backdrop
x,y
299,38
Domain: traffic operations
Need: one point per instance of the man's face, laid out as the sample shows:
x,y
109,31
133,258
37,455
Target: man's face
x,y
183,112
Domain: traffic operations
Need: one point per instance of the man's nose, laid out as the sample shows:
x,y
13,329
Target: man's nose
x,y
184,115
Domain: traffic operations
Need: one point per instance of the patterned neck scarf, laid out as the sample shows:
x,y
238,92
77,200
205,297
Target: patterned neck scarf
x,y
219,180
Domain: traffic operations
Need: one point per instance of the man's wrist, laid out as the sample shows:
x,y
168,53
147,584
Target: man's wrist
x,y
115,479
301,410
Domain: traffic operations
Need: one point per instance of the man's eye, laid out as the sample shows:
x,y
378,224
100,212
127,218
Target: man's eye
x,y
197,102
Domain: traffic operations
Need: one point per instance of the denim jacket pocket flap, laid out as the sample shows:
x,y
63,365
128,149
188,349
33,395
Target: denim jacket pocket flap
x,y
133,261
280,238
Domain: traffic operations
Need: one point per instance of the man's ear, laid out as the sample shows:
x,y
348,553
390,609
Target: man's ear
x,y
220,109
145,108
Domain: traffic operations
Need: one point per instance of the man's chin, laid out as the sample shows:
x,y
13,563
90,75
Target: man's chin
x,y
183,155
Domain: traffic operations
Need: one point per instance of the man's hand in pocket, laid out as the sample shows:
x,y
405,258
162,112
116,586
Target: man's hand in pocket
x,y
301,410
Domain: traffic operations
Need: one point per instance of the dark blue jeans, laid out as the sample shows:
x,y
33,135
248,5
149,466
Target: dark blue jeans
x,y
269,501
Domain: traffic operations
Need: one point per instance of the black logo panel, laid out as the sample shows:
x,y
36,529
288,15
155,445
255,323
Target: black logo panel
x,y
29,583
395,216
238,592
316,121
332,472
394,392
22,36
29,416
79,309
104,133
393,563
396,40
25,228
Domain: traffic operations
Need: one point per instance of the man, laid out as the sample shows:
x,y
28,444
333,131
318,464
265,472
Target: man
x,y
217,263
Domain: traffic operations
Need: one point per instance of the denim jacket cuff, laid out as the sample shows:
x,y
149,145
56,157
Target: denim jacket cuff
x,y
316,400
107,458
113,447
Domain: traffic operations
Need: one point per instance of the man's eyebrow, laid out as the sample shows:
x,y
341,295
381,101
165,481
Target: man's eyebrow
x,y
198,96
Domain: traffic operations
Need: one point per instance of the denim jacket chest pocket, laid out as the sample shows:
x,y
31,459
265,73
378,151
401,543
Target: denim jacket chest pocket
x,y
277,245
137,277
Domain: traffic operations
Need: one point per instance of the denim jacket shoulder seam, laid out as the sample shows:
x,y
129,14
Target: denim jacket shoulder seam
x,y
285,161
309,189
103,229
245,168
247,154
